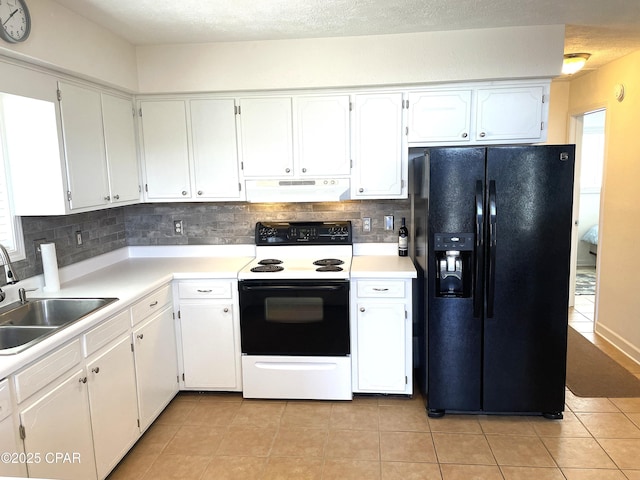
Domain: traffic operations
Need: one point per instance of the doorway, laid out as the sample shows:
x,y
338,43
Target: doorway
x,y
590,150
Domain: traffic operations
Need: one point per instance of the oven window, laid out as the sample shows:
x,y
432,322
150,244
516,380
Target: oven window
x,y
293,309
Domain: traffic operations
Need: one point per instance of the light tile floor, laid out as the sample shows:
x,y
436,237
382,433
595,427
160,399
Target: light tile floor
x,y
223,437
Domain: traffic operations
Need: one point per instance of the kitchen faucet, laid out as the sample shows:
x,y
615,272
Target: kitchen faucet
x,y
8,270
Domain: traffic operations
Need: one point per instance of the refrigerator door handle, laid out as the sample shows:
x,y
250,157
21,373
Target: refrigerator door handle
x,y
479,251
491,275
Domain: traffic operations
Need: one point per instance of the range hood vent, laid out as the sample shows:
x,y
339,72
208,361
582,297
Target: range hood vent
x,y
298,190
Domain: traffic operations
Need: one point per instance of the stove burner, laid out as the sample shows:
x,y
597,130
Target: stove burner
x,y
267,268
327,262
329,268
270,261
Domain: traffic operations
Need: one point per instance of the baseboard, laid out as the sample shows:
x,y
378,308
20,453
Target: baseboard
x,y
618,342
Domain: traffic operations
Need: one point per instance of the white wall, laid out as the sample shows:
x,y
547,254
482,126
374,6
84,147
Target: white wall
x,y
67,42
501,53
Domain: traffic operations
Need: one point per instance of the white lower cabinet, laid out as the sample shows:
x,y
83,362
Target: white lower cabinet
x,y
381,336
9,440
113,402
156,364
57,430
210,335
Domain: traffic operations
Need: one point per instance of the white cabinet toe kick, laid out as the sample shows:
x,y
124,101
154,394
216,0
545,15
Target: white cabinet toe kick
x,y
296,377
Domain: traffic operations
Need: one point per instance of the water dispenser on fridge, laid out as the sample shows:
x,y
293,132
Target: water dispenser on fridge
x,y
453,253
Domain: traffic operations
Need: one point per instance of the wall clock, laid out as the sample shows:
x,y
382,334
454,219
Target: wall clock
x,y
15,20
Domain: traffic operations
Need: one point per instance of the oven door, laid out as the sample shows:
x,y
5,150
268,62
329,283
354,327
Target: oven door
x,y
294,317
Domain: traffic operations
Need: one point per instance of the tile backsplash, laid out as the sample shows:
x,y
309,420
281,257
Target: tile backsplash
x,y
203,224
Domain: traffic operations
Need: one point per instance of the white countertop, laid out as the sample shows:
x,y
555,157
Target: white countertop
x,y
133,272
384,266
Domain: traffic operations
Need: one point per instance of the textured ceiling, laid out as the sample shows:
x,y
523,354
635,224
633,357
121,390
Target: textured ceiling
x,y
607,29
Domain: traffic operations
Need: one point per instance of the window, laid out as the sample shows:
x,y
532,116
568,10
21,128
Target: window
x,y
10,226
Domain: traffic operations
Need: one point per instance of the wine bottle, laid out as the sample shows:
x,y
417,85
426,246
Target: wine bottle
x,y
403,240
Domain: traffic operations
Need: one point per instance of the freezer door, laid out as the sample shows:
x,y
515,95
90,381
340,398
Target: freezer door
x,y
454,334
530,190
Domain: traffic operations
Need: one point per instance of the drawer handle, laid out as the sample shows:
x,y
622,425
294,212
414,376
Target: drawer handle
x,y
153,304
362,309
140,336
204,291
378,289
82,380
96,370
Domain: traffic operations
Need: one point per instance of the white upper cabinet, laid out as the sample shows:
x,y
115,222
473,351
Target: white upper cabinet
x,y
321,135
440,116
84,147
121,149
510,114
514,112
265,132
165,149
215,157
380,165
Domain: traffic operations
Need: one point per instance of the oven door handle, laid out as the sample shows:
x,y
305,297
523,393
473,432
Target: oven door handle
x,y
325,288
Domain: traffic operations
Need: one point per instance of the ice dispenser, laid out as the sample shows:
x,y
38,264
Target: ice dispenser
x,y
453,253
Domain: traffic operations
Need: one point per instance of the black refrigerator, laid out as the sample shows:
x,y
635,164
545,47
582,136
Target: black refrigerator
x,y
491,243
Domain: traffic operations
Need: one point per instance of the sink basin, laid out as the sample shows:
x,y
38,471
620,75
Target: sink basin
x,y
24,324
11,337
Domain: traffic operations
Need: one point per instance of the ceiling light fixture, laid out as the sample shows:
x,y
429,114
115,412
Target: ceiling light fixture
x,y
573,62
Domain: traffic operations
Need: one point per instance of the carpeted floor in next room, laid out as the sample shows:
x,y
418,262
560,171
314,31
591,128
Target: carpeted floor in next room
x,y
223,437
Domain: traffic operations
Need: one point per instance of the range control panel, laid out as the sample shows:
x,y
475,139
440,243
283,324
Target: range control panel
x,y
296,233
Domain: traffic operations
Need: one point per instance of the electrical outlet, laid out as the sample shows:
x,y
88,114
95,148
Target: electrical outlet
x,y
177,227
36,245
366,224
388,222
78,238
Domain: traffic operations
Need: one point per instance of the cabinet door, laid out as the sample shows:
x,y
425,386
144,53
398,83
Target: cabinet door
x,y
266,147
165,149
439,116
120,141
113,402
215,157
209,354
9,444
83,135
59,421
381,341
156,365
509,113
378,147
322,135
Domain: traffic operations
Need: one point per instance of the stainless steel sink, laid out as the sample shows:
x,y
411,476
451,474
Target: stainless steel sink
x,y
11,337
24,324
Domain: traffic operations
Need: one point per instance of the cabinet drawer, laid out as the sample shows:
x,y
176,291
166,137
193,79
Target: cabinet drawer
x,y
41,373
381,288
100,336
5,400
150,304
205,290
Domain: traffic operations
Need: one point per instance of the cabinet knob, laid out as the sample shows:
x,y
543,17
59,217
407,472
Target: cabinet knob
x,y
361,190
304,170
96,370
82,380
140,336
184,193
288,170
465,135
362,309
116,197
107,198
199,192
226,310
482,134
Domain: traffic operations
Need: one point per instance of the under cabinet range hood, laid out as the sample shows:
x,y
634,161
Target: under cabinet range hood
x,y
298,190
